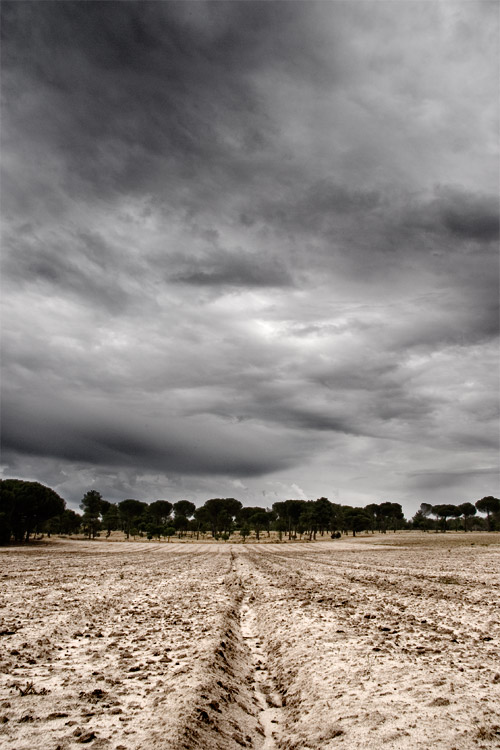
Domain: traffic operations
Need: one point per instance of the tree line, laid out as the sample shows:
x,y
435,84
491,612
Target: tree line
x,y
461,515
30,508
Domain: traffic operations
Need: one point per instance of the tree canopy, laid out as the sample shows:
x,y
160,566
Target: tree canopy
x,y
489,505
25,506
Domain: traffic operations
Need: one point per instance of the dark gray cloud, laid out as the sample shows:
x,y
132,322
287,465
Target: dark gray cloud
x,y
233,269
451,480
473,217
141,98
100,435
251,247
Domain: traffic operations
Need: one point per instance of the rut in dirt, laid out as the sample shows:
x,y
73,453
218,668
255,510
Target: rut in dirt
x,y
267,699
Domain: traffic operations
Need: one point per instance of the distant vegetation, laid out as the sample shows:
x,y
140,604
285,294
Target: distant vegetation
x,y
458,517
28,509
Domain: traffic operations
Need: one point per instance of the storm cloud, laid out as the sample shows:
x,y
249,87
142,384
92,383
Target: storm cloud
x,y
251,248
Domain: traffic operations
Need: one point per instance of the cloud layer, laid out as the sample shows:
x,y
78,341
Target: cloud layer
x,y
251,248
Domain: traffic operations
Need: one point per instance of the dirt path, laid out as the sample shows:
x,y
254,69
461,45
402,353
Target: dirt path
x,y
266,698
265,647
268,701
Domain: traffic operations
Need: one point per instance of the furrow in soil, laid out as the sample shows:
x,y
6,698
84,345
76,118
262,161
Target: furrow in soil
x,y
268,700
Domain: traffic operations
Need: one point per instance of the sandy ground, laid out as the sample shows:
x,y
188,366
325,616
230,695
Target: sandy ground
x,y
385,641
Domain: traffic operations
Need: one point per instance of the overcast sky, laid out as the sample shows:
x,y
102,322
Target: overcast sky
x,y
250,249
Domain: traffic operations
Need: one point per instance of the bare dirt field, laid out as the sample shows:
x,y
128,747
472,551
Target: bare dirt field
x,y
388,641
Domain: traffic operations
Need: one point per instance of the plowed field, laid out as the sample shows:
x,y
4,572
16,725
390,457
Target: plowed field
x,y
383,642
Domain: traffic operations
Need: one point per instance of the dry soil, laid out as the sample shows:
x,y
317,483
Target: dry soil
x,y
385,641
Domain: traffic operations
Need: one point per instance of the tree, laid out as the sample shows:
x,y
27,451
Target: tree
x,y
421,518
495,519
316,516
280,528
290,511
91,506
180,523
426,508
244,532
467,510
393,515
294,509
373,509
488,505
444,512
385,511
168,531
271,520
160,511
130,512
308,520
259,520
357,519
245,513
25,506
202,520
456,515
105,506
398,520
5,529
221,513
336,517
68,522
110,518
419,521
322,514
184,508
262,518
304,524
